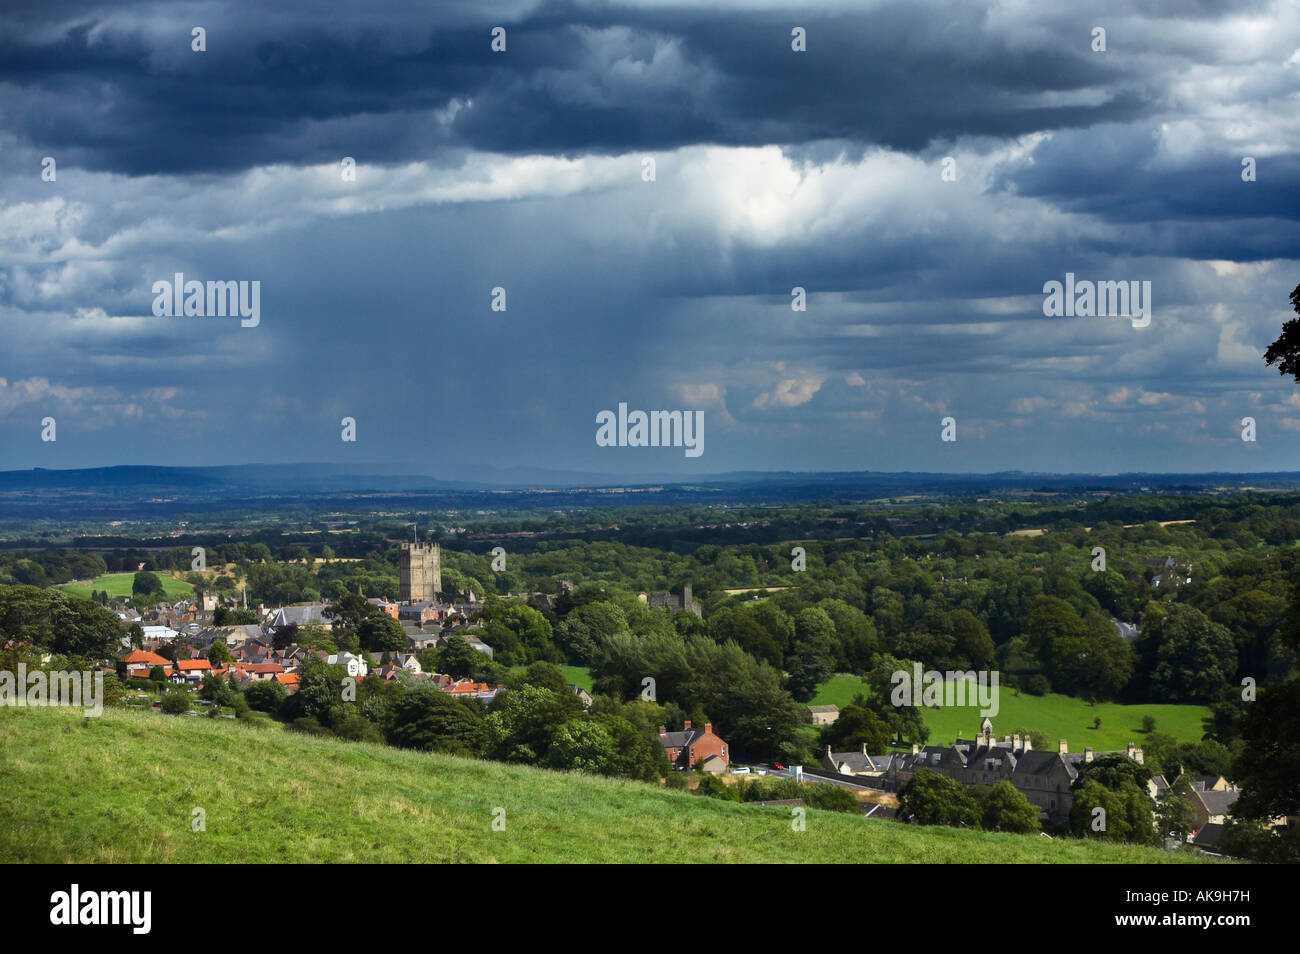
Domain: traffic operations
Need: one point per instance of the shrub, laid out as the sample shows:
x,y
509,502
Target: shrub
x,y
830,798
714,787
176,701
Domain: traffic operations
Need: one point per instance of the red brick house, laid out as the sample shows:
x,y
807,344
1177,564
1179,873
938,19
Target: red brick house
x,y
687,747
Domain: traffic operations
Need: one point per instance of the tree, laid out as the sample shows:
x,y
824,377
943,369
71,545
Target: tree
x,y
1005,808
1175,816
1268,768
929,798
379,632
1191,659
458,658
219,653
349,611
1285,351
59,623
147,588
810,665
521,723
1127,812
905,722
265,696
226,616
547,676
585,630
320,688
857,726
433,721
582,745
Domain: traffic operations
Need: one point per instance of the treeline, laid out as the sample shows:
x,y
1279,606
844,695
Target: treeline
x,y
536,720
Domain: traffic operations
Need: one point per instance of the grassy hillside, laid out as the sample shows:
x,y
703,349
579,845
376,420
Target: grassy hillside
x,y
119,584
1061,717
122,788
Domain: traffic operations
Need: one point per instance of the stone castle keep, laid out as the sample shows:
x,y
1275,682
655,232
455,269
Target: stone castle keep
x,y
419,572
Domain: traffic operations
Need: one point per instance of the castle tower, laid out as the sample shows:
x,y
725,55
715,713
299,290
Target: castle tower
x,y
419,572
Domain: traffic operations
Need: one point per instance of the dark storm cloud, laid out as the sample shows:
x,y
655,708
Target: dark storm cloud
x,y
118,89
924,296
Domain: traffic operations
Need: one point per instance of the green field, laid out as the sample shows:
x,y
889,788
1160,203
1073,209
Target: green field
x,y
123,788
578,676
119,584
574,675
1061,717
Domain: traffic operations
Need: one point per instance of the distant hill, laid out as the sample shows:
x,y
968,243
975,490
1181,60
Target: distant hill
x,y
147,492
123,788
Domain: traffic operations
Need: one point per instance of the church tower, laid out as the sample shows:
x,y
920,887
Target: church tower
x,y
419,572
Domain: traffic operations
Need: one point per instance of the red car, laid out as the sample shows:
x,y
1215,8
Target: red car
x,y
778,765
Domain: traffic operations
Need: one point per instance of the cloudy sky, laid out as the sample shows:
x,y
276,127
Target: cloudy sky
x,y
525,169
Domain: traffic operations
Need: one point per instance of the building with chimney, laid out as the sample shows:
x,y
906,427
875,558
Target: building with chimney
x,y
1043,776
692,745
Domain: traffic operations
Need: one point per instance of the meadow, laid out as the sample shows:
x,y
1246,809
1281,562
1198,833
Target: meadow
x,y
1061,717
119,584
133,786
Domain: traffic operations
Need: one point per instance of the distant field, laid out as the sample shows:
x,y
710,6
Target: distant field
x,y
578,676
1061,717
122,788
119,584
574,675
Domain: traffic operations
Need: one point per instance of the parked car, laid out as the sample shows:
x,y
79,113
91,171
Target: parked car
x,y
740,770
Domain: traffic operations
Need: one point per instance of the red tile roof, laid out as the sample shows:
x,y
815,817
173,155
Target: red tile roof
x,y
264,667
141,656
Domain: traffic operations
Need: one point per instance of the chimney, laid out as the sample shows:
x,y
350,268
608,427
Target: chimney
x,y
1087,755
1015,742
1029,743
686,725
1063,747
663,731
828,750
915,748
708,728
864,748
1132,752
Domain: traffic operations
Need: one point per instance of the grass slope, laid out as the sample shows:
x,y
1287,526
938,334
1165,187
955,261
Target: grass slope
x,y
119,584
121,788
1061,717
